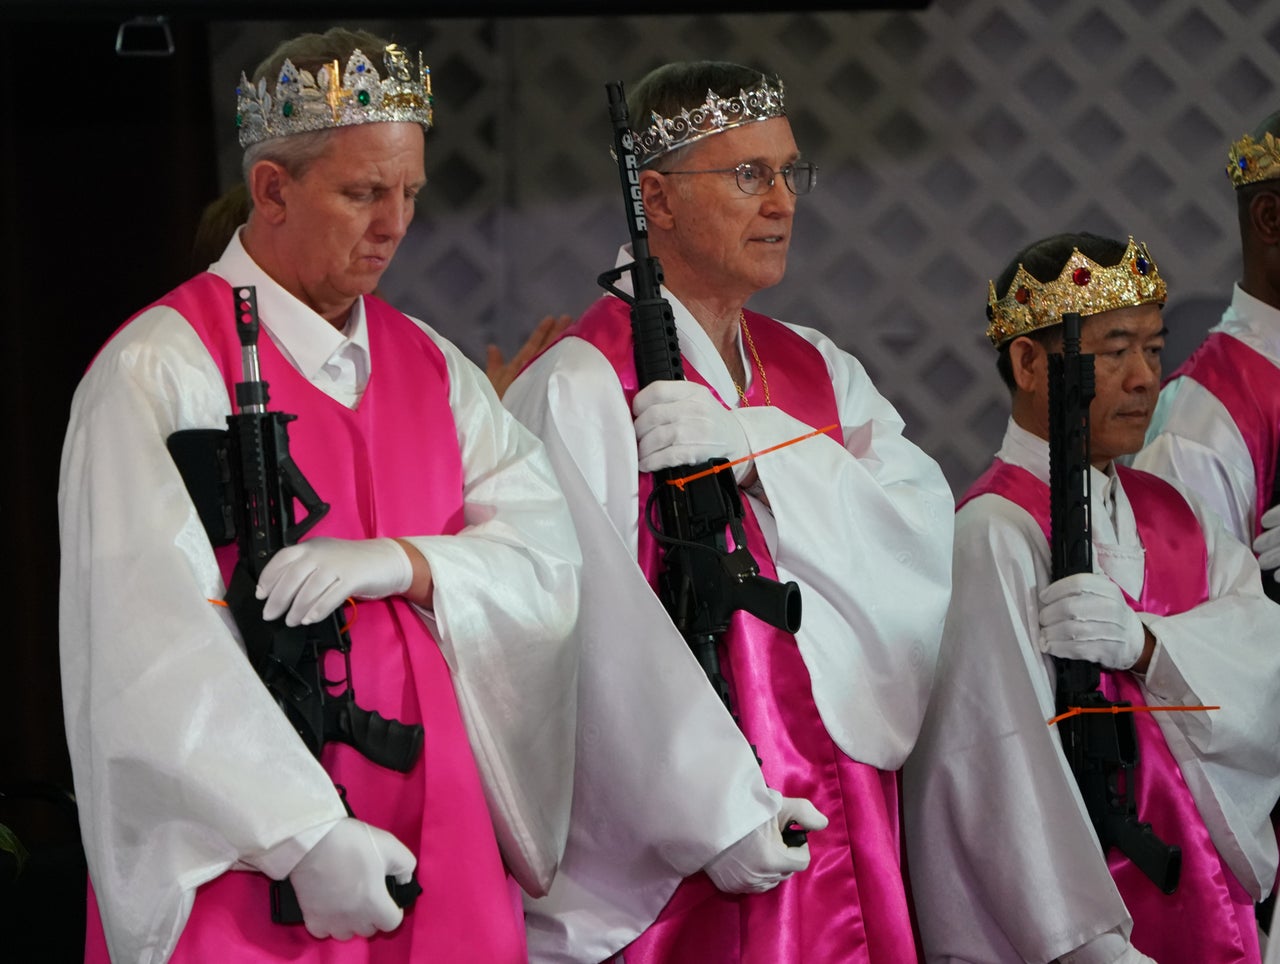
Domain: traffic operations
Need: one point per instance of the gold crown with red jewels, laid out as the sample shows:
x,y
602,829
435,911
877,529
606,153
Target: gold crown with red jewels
x,y
1250,161
713,116
302,102
1084,287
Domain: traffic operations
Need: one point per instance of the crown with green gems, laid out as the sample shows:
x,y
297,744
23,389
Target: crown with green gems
x,y
1084,287
358,95
1250,161
714,116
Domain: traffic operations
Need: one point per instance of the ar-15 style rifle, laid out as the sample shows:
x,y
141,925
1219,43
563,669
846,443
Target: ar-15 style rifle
x,y
1101,748
703,582
244,483
1269,584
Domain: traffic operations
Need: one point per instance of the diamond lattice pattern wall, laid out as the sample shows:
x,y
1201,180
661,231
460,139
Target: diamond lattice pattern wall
x,y
947,139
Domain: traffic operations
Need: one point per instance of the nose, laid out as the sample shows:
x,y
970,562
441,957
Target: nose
x,y
394,215
1142,372
778,201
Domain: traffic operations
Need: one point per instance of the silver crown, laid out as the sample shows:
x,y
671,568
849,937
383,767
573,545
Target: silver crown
x,y
716,115
303,103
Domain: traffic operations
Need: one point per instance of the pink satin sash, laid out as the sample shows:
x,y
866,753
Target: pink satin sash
x,y
850,905
1209,919
1247,384
385,471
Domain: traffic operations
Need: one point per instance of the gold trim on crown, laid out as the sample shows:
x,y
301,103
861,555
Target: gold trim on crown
x,y
303,102
714,116
1084,287
1250,161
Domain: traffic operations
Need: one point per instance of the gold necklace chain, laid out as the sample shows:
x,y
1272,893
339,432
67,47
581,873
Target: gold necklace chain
x,y
755,356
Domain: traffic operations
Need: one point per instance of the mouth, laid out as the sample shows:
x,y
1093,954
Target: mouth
x,y
770,239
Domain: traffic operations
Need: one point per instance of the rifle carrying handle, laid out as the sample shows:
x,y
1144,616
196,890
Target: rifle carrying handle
x,y
284,902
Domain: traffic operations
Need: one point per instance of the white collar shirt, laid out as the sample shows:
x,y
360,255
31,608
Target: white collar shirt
x,y
336,362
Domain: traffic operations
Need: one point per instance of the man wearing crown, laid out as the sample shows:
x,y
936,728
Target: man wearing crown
x,y
688,854
1005,864
445,522
1217,426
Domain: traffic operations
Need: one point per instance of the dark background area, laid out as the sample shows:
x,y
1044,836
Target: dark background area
x,y
103,175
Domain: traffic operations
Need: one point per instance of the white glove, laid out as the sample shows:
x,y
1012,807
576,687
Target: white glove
x,y
310,580
1085,616
341,882
682,423
1267,545
760,860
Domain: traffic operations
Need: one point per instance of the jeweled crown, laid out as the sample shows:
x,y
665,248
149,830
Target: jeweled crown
x,y
1084,287
1250,161
358,95
714,116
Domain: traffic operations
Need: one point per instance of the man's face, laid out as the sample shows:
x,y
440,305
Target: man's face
x,y
1126,345
736,241
346,215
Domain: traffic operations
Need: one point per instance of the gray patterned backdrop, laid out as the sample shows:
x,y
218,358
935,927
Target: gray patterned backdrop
x,y
947,139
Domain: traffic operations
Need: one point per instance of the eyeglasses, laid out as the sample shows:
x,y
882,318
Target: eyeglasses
x,y
756,178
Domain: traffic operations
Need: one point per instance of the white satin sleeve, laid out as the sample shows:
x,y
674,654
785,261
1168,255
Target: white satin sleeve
x,y
1193,439
866,531
1003,860
1223,653
664,778
183,764
506,596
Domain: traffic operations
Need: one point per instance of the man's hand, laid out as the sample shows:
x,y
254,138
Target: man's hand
x,y
1085,616
1267,545
341,882
502,372
310,580
760,860
682,423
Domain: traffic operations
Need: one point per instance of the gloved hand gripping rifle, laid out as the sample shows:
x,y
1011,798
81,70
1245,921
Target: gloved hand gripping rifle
x,y
1101,748
244,483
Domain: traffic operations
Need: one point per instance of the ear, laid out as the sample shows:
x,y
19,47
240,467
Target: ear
x,y
1026,357
267,181
1264,216
655,189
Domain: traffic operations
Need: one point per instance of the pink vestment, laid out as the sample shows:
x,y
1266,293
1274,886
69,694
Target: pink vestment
x,y
1245,383
1209,919
850,905
391,467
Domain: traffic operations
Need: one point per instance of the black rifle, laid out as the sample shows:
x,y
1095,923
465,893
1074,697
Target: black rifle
x,y
1101,748
244,484
703,582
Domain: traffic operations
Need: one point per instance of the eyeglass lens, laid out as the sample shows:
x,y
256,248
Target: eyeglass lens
x,y
755,178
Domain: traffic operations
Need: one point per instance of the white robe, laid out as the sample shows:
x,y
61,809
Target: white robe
x,y
184,767
1004,863
864,529
1192,437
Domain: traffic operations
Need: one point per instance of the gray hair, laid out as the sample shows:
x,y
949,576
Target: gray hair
x,y
683,85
